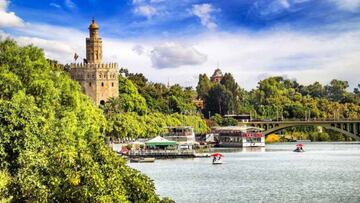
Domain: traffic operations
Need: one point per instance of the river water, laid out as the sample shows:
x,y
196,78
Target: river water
x,y
326,172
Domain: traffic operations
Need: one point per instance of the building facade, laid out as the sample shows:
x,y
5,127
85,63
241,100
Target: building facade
x,y
98,80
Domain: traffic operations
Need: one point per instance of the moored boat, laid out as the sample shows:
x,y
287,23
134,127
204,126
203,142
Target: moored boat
x,y
142,160
239,136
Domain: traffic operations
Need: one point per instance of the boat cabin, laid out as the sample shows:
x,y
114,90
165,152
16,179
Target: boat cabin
x,y
239,136
184,136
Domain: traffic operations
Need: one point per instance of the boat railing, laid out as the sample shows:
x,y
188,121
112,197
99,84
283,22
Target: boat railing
x,y
161,153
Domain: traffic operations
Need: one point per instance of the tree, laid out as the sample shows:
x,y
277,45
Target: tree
x,y
52,138
315,90
357,90
219,100
336,91
203,86
230,84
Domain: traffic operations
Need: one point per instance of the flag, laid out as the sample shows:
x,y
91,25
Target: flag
x,y
76,56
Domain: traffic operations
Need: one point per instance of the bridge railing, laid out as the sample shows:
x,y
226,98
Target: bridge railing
x,y
310,120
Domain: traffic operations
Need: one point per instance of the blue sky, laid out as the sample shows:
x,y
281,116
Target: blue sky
x,y
175,40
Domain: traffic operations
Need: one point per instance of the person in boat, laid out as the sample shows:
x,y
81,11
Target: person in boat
x,y
214,159
299,149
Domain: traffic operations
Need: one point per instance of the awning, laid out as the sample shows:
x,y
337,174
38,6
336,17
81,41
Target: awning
x,y
159,141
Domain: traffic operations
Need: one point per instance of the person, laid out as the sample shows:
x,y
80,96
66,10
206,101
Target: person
x,y
214,159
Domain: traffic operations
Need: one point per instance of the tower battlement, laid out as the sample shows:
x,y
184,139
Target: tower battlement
x,y
94,65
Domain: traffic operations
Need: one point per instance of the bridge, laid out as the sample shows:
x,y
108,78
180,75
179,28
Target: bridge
x,y
346,127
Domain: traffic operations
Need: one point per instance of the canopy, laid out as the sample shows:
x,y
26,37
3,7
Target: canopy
x,y
299,145
159,141
217,154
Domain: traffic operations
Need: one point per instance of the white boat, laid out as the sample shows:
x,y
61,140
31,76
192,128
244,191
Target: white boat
x,y
217,162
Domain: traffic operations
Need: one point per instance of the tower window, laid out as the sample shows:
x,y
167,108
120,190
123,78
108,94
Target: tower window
x,y
90,84
100,76
102,84
112,84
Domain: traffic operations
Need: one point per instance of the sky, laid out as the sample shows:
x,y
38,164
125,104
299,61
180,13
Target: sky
x,y
176,40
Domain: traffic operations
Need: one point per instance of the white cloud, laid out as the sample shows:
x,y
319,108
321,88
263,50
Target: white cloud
x,y
285,3
172,55
156,1
247,55
70,4
305,57
53,48
348,5
8,19
203,11
55,5
139,49
145,10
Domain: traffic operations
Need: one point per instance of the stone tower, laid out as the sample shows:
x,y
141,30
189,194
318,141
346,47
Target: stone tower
x,y
98,80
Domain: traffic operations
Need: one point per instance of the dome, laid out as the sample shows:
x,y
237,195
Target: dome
x,y
93,25
217,73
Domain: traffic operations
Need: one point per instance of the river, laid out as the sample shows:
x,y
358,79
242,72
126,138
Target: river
x,y
326,172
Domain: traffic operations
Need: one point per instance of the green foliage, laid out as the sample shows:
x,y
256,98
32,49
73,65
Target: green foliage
x,y
128,115
229,122
52,138
219,100
219,120
357,90
278,97
132,125
129,99
4,187
203,86
161,98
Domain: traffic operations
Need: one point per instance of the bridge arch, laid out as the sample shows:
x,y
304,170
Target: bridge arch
x,y
342,129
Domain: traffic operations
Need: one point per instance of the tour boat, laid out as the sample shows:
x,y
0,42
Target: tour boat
x,y
217,158
239,136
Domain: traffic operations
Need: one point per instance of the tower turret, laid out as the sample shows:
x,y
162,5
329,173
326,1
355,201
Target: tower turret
x,y
94,44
